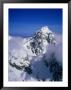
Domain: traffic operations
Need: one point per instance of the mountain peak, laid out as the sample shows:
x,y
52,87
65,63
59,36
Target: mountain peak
x,y
45,29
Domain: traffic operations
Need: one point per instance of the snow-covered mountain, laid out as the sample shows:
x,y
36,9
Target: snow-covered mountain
x,y
28,57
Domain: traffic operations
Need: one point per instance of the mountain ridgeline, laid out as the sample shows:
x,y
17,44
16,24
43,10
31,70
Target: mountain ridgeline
x,y
31,56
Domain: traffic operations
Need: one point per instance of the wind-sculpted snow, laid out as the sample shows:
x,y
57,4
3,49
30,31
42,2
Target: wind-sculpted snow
x,y
31,59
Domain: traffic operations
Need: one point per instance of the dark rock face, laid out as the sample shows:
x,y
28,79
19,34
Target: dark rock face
x,y
28,69
55,68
